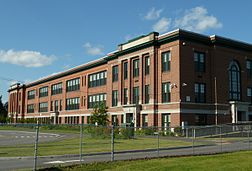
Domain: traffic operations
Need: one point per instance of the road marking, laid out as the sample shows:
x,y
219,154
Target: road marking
x,y
61,162
54,162
70,161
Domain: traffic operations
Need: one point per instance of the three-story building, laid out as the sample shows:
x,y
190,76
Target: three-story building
x,y
178,78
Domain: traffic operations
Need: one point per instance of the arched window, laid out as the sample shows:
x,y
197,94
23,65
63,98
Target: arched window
x,y
234,81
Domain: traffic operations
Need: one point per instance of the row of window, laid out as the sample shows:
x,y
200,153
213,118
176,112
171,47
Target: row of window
x,y
43,91
166,120
57,88
97,79
56,105
73,103
73,85
96,99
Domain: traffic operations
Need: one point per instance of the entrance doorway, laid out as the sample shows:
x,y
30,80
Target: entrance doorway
x,y
129,118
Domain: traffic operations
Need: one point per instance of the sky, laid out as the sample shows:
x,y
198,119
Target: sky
x,y
42,37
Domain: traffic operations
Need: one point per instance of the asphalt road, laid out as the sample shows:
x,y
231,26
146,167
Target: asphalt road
x,y
13,163
25,137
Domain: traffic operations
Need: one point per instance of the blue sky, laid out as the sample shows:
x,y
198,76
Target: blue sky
x,y
42,37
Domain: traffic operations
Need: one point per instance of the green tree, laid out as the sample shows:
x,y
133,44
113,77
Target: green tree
x,y
100,114
3,111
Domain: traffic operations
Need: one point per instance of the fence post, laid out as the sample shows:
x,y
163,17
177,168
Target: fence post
x,y
249,131
221,138
158,143
81,141
193,137
112,144
187,133
36,147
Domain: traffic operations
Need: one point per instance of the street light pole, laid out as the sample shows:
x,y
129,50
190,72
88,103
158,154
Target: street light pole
x,y
216,101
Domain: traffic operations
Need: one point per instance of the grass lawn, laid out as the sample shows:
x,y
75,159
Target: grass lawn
x,y
237,161
90,145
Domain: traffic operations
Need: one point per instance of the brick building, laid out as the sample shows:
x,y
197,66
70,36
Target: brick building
x,y
178,78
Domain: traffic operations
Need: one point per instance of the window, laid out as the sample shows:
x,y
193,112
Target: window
x,y
56,89
147,65
96,99
43,91
166,120
97,79
147,93
51,108
73,85
114,98
56,105
43,107
249,93
31,94
135,95
60,105
166,92
136,68
115,73
125,70
199,61
200,92
30,108
234,81
249,68
144,120
166,61
125,96
73,103
114,120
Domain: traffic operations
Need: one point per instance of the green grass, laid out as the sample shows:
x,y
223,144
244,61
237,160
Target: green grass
x,y
230,161
90,145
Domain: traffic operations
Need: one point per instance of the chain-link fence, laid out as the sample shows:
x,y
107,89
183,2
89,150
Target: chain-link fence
x,y
37,145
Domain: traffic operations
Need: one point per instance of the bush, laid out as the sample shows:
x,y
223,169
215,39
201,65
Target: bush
x,y
146,131
126,133
98,132
178,131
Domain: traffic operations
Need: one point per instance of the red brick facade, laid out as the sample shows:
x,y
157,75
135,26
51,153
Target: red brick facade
x,y
182,106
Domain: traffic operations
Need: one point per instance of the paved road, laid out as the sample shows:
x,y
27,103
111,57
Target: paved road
x,y
13,163
24,137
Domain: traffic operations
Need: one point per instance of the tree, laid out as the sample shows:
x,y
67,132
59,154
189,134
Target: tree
x,y
3,111
100,114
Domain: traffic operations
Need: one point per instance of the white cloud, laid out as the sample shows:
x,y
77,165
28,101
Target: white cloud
x,y
92,50
197,19
162,25
25,58
153,14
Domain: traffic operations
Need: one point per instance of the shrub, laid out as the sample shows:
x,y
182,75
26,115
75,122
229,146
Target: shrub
x,y
126,133
98,132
